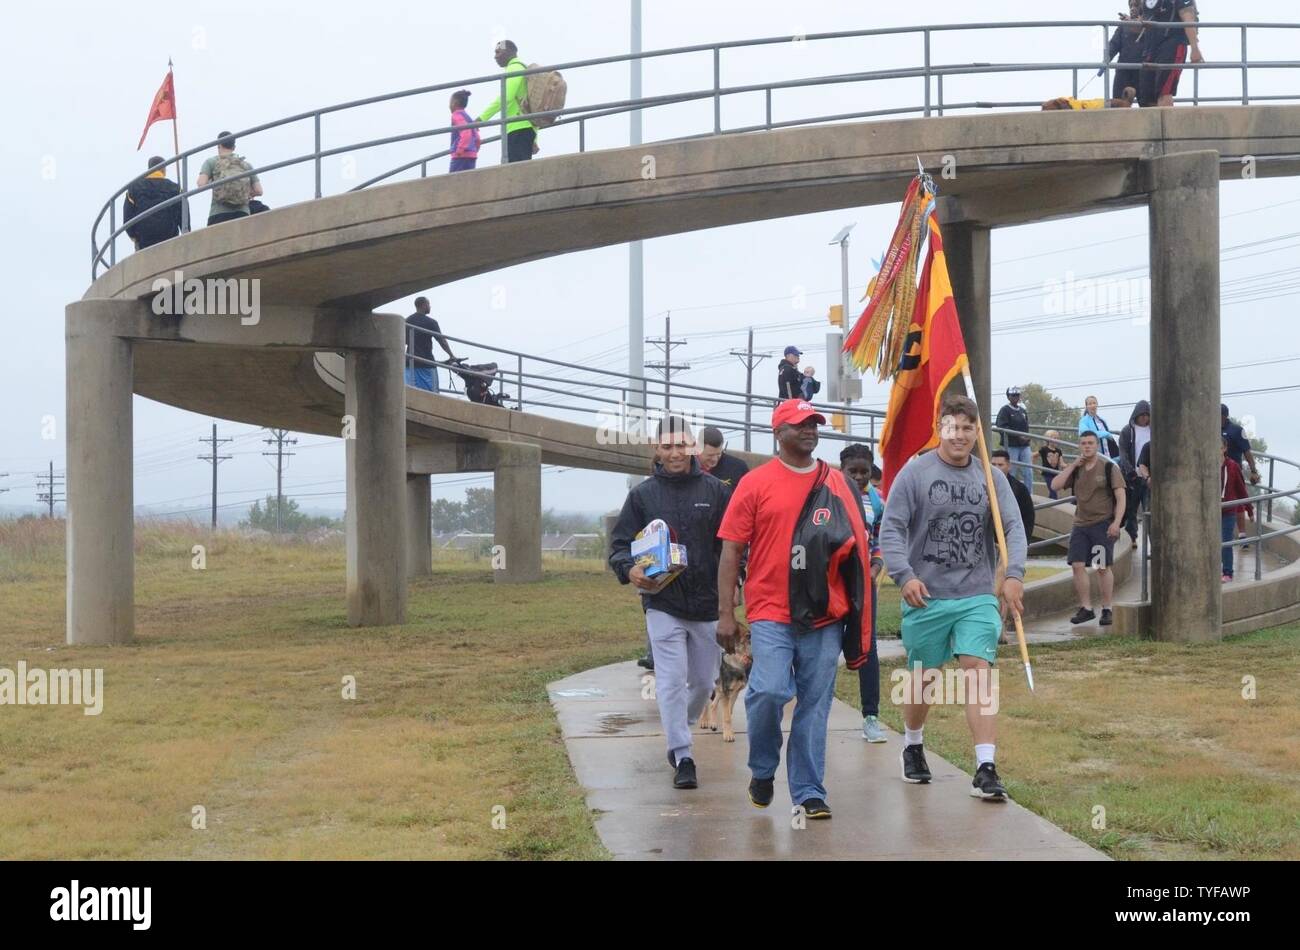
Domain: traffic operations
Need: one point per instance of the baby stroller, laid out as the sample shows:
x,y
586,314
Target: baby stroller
x,y
478,378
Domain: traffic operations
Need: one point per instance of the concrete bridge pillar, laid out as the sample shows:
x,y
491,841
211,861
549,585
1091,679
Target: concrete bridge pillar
x,y
517,501
101,516
419,536
375,399
967,247
1186,596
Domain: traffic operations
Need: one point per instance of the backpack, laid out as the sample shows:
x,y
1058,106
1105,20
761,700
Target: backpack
x,y
545,91
235,192
1107,465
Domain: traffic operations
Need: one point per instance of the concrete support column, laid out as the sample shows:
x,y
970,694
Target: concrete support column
x,y
419,531
376,484
1186,596
966,247
517,500
101,516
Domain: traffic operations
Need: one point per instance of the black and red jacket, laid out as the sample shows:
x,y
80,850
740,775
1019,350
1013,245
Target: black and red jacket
x,y
830,564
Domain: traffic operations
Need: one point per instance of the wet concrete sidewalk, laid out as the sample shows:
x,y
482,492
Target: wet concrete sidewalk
x,y
617,749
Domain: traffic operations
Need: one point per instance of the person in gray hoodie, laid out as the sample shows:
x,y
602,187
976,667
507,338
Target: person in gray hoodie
x,y
939,546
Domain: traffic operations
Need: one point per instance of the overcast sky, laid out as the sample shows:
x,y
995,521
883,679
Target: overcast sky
x,y
90,72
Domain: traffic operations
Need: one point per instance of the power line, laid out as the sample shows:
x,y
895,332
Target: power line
x,y
281,438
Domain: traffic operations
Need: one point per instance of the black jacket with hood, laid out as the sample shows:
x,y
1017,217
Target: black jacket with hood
x,y
692,505
141,195
1128,459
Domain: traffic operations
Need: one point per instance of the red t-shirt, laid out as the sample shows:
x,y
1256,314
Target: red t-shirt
x,y
762,513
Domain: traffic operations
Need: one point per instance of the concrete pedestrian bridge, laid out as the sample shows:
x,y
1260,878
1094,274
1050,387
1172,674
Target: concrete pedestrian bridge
x,y
320,359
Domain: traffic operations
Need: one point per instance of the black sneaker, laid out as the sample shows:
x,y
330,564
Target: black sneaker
x,y
646,663
1106,619
987,785
915,769
1083,615
760,792
685,777
815,808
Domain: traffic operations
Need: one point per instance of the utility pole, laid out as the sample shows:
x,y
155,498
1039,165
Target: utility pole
x,y
750,359
667,367
281,438
215,459
51,485
636,258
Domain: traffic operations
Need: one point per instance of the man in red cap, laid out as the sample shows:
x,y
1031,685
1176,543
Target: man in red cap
x,y
807,597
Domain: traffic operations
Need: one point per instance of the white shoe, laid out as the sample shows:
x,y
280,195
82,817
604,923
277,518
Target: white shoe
x,y
871,729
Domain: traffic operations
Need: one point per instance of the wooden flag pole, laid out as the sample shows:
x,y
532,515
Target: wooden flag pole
x,y
176,142
997,525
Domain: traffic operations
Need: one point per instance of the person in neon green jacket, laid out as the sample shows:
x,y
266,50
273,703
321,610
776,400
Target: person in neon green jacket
x,y
521,136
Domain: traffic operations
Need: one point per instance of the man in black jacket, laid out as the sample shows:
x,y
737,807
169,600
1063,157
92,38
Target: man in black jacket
x,y
141,195
1015,416
1133,438
789,381
681,615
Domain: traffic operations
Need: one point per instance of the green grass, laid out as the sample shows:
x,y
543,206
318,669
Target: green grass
x,y
231,699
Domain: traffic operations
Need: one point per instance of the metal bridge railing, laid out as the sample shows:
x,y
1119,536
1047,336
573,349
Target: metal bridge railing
x,y
623,400
929,74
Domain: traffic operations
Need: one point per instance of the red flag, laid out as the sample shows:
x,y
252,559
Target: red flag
x,y
933,356
164,106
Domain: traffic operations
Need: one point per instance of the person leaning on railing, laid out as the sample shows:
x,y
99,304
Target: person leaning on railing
x,y
420,371
142,194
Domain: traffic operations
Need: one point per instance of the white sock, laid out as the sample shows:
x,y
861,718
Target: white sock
x,y
913,736
983,753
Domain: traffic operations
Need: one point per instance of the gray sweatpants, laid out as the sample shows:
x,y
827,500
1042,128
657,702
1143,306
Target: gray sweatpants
x,y
686,655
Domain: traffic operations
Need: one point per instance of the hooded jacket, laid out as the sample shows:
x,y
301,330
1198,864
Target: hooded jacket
x,y
692,505
1128,459
141,195
831,582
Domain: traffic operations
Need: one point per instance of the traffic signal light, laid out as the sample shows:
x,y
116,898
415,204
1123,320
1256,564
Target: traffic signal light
x,y
837,315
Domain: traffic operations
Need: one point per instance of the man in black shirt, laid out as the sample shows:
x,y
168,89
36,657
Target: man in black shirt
x,y
725,468
1166,46
789,380
420,371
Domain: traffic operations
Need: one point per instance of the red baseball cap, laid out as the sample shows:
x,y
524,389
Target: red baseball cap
x,y
794,411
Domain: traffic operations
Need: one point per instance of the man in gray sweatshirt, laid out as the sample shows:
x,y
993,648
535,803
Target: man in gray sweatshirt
x,y
940,548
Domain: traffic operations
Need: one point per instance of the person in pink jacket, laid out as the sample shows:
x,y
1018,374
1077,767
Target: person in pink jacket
x,y
464,142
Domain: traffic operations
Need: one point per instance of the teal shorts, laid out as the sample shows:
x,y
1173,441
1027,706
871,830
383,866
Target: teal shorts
x,y
942,629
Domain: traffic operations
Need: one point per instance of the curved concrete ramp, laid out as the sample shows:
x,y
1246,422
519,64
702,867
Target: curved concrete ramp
x,y
617,749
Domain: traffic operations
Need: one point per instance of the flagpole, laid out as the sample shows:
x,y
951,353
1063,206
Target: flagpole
x,y
176,142
997,524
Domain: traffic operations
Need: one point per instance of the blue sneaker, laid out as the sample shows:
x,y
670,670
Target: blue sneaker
x,y
872,730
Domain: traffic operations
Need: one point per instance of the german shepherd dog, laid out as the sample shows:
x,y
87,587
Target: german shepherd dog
x,y
733,676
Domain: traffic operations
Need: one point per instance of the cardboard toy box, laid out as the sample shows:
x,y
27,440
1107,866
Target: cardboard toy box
x,y
655,551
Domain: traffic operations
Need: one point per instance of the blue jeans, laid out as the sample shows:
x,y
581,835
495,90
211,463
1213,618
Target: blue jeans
x,y
791,665
1228,532
422,377
1021,455
869,672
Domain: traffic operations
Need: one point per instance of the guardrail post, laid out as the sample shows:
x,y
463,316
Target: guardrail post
x,y
112,238
927,73
1245,94
1074,81
582,135
185,202
717,93
424,169
1271,487
1259,544
505,144
1105,61
940,83
317,123
768,123
519,393
1146,541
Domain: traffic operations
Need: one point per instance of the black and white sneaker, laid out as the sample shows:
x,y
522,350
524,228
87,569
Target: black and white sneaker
x,y
1083,615
915,769
685,777
987,785
814,808
760,792
646,662
1106,619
